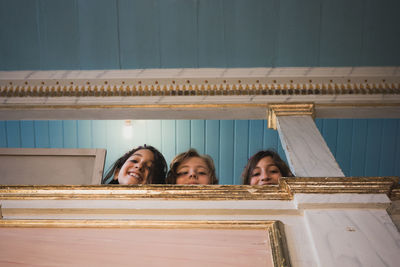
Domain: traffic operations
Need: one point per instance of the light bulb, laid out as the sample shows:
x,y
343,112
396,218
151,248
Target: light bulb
x,y
127,129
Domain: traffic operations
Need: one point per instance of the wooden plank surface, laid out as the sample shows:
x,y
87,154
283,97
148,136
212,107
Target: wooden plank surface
x,y
341,39
59,34
226,154
299,21
98,34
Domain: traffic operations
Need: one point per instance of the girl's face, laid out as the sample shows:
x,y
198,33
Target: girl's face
x,y
136,168
265,172
193,171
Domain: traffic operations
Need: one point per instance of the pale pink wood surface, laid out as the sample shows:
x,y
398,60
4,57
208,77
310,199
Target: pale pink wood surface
x,y
133,247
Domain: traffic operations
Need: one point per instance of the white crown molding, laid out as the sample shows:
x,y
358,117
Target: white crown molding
x,y
241,93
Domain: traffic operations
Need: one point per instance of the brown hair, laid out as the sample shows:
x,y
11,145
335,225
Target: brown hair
x,y
157,171
252,163
191,153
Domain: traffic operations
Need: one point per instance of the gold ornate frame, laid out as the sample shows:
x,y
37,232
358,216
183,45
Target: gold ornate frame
x,y
274,229
284,191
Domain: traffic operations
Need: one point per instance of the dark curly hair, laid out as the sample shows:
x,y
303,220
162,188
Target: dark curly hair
x,y
157,171
252,163
191,153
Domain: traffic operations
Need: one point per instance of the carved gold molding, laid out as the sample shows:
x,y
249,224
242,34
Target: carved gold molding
x,y
284,191
285,109
274,229
12,90
342,185
395,193
201,82
139,224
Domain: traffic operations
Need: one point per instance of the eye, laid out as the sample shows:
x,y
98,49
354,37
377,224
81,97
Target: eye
x,y
202,173
182,173
134,161
275,171
255,174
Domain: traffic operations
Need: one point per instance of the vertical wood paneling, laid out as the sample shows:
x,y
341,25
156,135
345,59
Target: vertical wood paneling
x,y
343,147
113,142
178,33
211,38
240,153
42,139
197,135
99,134
139,33
329,132
168,140
245,22
358,148
381,33
27,134
99,138
368,147
84,134
59,34
341,32
271,137
272,141
19,45
182,136
281,152
373,144
154,133
139,133
98,34
3,134
70,134
226,157
13,133
255,136
56,134
388,148
300,21
320,125
212,141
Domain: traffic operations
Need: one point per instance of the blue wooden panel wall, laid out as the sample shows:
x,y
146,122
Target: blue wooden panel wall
x,y
367,147
126,34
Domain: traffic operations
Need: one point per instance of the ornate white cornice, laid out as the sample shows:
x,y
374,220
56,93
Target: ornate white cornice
x,y
201,82
224,93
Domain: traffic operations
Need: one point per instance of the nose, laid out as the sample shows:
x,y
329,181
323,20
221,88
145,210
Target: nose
x,y
265,177
139,166
192,175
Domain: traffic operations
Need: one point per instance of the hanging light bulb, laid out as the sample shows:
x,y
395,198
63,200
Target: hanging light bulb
x,y
127,129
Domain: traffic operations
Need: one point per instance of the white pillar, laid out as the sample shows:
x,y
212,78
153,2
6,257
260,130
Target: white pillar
x,y
307,153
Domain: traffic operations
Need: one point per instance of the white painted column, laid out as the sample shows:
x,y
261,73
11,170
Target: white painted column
x,y
307,153
351,230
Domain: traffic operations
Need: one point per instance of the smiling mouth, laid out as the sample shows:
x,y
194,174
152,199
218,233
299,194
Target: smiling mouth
x,y
267,182
135,175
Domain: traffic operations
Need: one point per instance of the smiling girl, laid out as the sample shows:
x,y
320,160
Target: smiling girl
x,y
265,167
192,168
142,165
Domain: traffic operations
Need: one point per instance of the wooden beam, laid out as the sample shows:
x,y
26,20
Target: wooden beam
x,y
307,153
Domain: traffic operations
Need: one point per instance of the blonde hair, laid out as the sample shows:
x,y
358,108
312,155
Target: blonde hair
x,y
191,153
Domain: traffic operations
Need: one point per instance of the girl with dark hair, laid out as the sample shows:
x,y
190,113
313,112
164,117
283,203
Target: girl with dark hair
x,y
265,167
142,165
192,168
